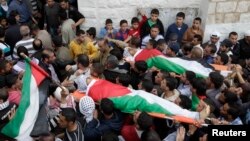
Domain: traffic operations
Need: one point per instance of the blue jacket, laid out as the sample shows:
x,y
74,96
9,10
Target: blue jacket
x,y
173,28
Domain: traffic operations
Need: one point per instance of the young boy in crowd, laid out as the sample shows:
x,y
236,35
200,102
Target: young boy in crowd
x,y
122,34
225,47
108,30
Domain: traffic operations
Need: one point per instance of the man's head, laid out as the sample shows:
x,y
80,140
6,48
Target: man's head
x,y
233,37
180,18
91,32
64,4
67,118
96,69
57,41
154,15
82,61
13,81
37,44
50,3
142,120
230,111
196,53
169,84
80,35
215,80
198,86
107,107
109,24
135,23
186,49
215,37
197,23
24,30
123,25
154,31
187,77
135,42
63,16
103,45
161,45
48,56
123,79
225,45
221,59
160,76
141,67
146,85
173,49
22,49
151,44
112,62
35,29
210,50
3,95
197,40
247,36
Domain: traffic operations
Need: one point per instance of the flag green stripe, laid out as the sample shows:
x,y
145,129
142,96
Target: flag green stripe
x,y
129,104
167,65
15,124
195,102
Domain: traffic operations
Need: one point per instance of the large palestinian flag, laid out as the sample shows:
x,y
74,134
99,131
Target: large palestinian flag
x,y
155,58
128,101
26,115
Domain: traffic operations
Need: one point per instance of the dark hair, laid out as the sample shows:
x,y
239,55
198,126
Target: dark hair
x,y
64,1
171,83
233,33
190,75
161,42
92,32
110,136
153,43
223,57
117,53
22,49
63,15
37,44
187,47
123,21
3,94
147,85
141,66
83,59
34,27
108,21
198,19
234,110
11,20
135,20
69,114
214,48
155,26
150,135
79,32
112,61
186,102
98,68
107,106
180,14
217,79
230,97
2,32
199,37
10,79
57,40
46,53
135,41
155,11
124,79
199,85
145,121
3,64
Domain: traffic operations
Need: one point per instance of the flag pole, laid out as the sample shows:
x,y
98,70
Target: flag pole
x,y
41,70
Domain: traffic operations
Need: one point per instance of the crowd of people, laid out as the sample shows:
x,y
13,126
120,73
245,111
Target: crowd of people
x,y
49,33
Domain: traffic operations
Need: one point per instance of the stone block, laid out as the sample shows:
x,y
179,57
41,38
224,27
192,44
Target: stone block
x,y
219,18
245,18
217,0
86,3
231,18
210,19
211,8
243,6
225,7
88,12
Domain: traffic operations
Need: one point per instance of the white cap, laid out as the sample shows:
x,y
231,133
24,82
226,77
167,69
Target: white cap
x,y
215,34
57,93
247,33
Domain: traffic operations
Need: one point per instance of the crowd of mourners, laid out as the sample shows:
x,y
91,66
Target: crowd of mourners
x,y
48,31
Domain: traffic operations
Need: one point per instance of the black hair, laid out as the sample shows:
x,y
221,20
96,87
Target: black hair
x,y
155,26
10,79
180,14
4,94
11,20
92,32
135,41
112,61
214,48
161,42
79,32
199,37
147,85
63,16
117,53
224,58
187,47
150,135
83,59
107,106
64,1
123,21
22,49
3,64
98,68
145,121
230,97
186,102
171,83
141,66
108,21
110,136
198,19
190,75
135,20
234,110
57,40
153,43
233,33
46,53
37,44
155,11
124,79
34,27
69,114
199,85
217,79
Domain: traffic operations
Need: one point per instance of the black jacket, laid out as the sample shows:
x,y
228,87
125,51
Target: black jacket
x,y
145,29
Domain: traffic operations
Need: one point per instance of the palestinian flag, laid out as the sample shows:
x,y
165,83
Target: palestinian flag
x,y
128,101
155,58
26,115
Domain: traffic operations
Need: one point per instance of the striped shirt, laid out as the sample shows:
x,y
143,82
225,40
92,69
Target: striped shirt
x,y
27,43
147,38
